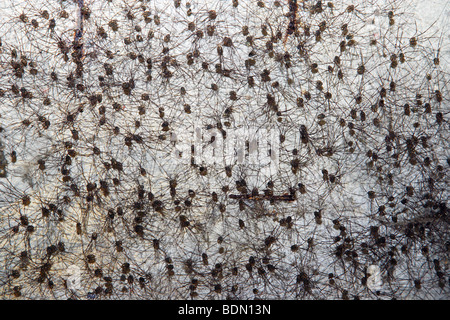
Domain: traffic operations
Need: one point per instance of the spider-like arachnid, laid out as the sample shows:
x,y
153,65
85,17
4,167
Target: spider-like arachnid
x,y
293,18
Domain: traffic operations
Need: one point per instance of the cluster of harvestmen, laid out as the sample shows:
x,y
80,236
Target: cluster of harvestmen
x,y
355,208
